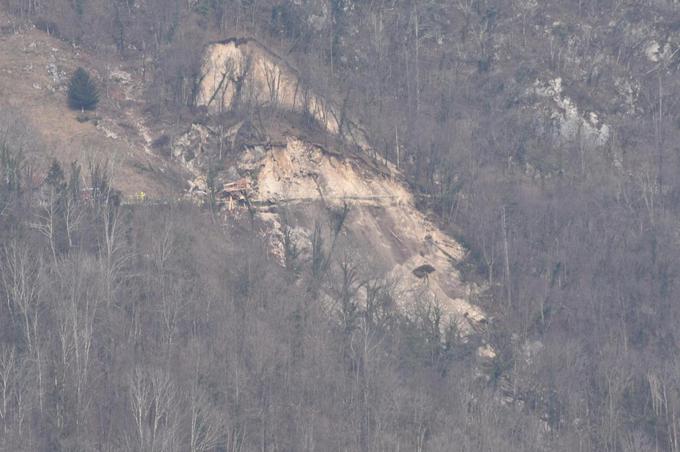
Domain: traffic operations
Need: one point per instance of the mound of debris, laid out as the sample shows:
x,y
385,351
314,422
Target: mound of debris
x,y
294,187
303,193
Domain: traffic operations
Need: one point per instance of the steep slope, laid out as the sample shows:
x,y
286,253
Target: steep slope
x,y
237,71
34,72
384,231
296,184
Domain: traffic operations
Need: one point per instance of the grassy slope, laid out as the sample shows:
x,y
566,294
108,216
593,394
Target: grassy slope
x,y
27,88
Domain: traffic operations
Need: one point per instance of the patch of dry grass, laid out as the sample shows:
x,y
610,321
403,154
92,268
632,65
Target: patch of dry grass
x,y
27,87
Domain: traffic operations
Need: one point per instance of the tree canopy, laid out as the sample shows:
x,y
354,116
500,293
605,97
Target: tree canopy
x,y
82,91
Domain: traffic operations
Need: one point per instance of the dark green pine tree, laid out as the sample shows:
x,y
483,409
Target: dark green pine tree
x,y
82,92
55,178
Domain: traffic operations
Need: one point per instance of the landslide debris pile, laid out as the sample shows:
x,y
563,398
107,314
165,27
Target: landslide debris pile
x,y
293,184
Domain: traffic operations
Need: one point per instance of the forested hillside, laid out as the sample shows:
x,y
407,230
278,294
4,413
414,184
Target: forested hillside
x,y
543,136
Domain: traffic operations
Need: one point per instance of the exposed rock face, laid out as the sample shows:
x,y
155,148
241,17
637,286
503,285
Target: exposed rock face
x,y
655,52
572,123
193,147
383,230
120,76
190,146
241,70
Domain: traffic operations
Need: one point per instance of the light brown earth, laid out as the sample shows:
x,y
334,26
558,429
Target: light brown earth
x,y
383,229
266,79
29,91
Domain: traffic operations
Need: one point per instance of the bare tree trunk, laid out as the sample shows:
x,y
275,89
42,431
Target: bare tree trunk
x,y
506,253
396,139
417,29
19,274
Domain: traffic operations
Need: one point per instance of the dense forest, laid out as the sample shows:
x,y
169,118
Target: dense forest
x,y
124,329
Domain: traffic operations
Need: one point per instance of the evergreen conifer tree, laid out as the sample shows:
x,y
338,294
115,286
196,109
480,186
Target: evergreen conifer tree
x,y
82,92
55,177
